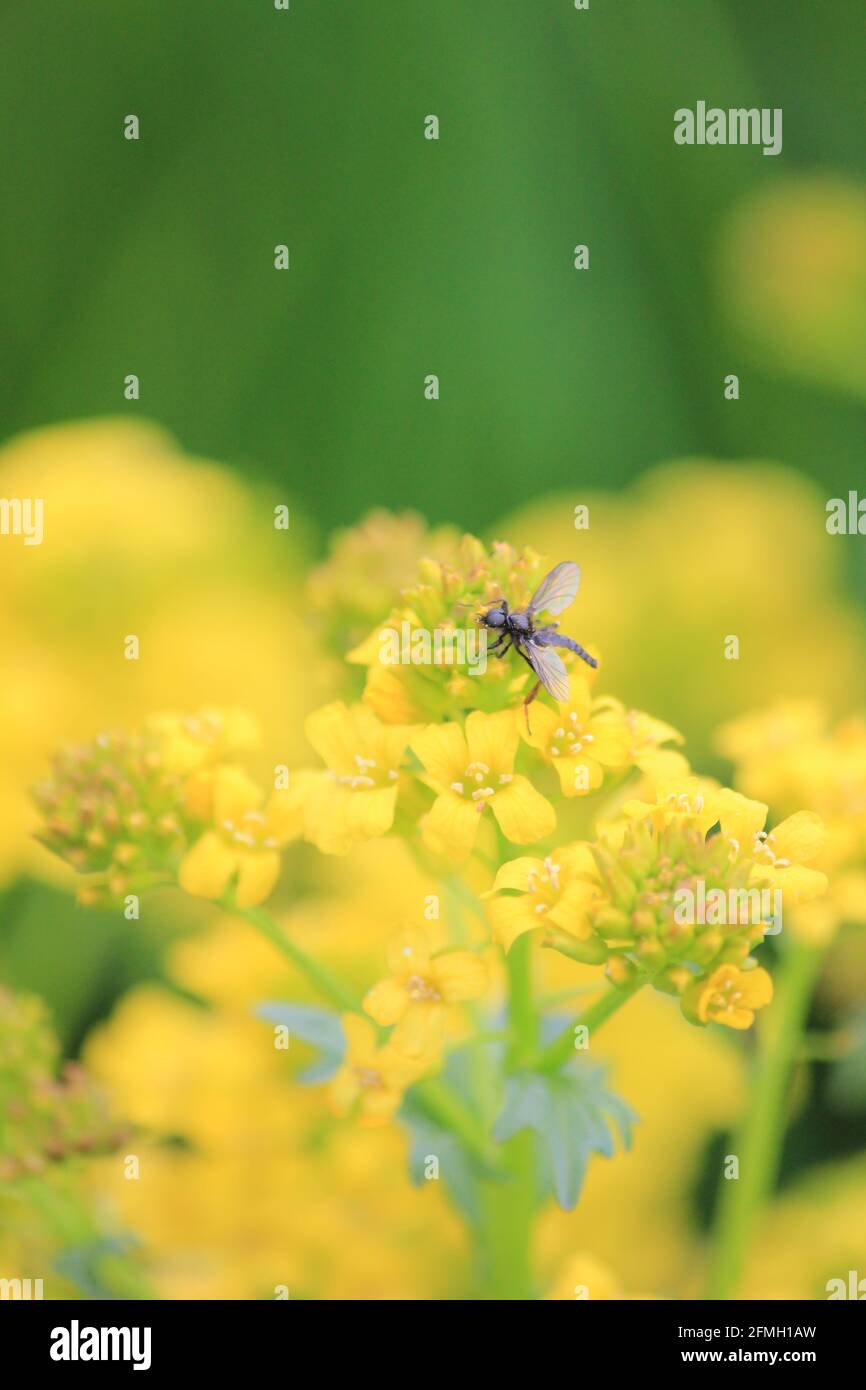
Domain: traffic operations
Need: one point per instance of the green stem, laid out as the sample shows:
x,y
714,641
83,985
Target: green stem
x,y
758,1144
562,1048
508,1207
522,1016
439,1100
318,975
449,1110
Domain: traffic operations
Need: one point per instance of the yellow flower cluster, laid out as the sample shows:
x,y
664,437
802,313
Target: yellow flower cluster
x,y
173,802
413,1001
132,811
670,893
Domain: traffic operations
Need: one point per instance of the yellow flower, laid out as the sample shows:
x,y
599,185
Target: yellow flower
x,y
243,847
556,891
645,750
686,799
372,1079
356,798
473,770
420,987
581,738
728,995
190,741
777,854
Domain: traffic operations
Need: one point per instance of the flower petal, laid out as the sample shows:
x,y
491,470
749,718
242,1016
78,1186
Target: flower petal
x,y
511,917
409,953
386,1002
492,739
459,975
518,874
257,875
207,867
523,813
420,1031
443,751
331,731
450,826
234,794
800,837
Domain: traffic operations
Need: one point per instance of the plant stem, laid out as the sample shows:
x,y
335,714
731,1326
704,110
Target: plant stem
x,y
562,1048
522,1016
318,975
508,1207
758,1144
449,1110
439,1100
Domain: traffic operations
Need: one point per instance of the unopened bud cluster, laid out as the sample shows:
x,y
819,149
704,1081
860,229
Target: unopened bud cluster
x,y
638,923
111,810
45,1118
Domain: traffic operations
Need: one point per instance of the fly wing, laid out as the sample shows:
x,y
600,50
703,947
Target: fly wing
x,y
557,590
549,668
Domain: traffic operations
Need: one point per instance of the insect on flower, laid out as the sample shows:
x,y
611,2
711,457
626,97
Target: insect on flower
x,y
536,643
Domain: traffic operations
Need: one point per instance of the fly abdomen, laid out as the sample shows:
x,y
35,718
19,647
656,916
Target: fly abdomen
x,y
558,639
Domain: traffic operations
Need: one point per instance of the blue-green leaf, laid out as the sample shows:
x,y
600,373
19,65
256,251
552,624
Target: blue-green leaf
x,y
573,1114
456,1169
320,1028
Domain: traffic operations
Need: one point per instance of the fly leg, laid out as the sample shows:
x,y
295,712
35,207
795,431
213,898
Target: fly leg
x,y
506,648
528,701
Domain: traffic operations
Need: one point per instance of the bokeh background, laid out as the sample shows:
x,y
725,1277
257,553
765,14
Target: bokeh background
x,y
306,387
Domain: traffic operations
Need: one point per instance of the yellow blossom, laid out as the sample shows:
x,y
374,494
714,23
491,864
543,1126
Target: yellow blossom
x,y
647,734
190,741
472,770
728,995
242,848
372,1079
551,892
582,738
778,855
356,798
686,798
416,994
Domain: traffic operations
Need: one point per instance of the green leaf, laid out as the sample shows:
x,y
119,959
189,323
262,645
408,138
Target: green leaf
x,y
456,1169
573,1114
320,1028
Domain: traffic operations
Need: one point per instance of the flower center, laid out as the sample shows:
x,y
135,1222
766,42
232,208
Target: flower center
x,y
368,1076
251,832
367,775
476,781
544,885
762,849
418,988
569,739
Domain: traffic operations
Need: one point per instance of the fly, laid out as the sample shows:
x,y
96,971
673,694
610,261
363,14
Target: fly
x,y
536,643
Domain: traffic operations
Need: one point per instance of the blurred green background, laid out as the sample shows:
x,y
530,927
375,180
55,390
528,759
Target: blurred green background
x,y
409,256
